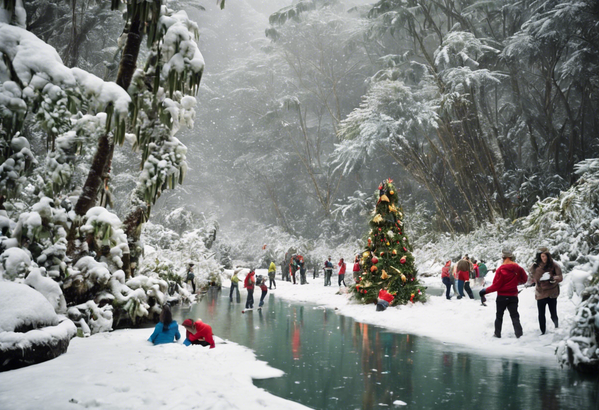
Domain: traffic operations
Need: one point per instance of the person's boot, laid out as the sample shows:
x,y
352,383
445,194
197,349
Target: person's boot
x,y
555,322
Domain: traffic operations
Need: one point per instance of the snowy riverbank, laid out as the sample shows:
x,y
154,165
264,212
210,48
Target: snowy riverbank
x,y
121,370
465,323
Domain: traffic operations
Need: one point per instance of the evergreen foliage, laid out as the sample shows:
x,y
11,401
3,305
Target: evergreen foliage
x,y
387,262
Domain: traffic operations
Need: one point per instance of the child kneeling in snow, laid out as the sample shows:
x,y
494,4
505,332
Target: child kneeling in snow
x,y
198,333
384,300
167,329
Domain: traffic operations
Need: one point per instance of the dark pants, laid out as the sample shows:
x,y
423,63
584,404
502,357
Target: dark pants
x,y
200,342
381,305
249,303
552,303
234,288
271,282
342,279
464,285
303,279
193,284
327,277
293,276
447,283
511,304
262,298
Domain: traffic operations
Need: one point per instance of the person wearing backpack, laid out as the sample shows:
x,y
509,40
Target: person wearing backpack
x,y
328,272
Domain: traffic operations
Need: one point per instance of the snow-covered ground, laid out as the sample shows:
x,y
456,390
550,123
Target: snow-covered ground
x,y
465,323
122,370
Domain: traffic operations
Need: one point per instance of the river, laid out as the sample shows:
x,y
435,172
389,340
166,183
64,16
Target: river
x,y
334,362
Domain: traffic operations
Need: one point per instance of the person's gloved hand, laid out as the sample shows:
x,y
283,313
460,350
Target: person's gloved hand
x,y
482,293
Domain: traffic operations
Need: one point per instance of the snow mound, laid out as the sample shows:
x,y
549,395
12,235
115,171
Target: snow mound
x,y
31,332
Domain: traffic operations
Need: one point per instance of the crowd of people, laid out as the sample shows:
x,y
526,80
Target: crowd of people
x,y
544,274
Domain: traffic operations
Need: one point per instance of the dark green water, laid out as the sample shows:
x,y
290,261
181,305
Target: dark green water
x,y
334,362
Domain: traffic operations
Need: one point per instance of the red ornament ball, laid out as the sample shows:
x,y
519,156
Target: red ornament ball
x,y
375,259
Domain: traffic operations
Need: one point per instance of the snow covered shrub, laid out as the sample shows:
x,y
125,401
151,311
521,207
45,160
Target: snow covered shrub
x,y
570,221
169,259
14,263
30,330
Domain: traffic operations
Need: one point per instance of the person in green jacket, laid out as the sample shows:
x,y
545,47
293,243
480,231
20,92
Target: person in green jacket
x,y
234,285
272,269
482,272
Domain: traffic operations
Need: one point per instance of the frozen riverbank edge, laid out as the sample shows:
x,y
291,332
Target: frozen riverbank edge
x,y
122,370
465,323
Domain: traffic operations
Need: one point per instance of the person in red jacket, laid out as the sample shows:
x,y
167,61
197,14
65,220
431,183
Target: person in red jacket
x,y
384,300
342,265
249,283
356,269
446,279
198,333
507,278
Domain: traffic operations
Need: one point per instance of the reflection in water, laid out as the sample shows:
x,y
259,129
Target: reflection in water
x,y
333,362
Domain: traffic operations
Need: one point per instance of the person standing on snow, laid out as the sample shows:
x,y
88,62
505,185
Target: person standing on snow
x,y
482,272
507,278
272,270
190,277
356,269
234,287
545,275
328,272
249,283
463,274
445,273
302,269
342,267
293,265
476,271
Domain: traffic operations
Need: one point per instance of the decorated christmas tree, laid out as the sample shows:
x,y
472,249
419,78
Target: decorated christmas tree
x,y
387,262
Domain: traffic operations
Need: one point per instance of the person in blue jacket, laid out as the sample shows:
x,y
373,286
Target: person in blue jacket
x,y
167,330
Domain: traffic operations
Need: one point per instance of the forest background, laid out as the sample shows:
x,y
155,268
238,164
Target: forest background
x,y
483,113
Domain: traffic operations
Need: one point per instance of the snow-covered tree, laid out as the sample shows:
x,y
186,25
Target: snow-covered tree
x,y
48,196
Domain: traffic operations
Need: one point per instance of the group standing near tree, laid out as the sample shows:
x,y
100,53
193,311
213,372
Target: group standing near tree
x,y
544,274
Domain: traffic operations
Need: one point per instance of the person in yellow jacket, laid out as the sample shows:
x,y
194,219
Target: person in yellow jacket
x,y
234,287
272,269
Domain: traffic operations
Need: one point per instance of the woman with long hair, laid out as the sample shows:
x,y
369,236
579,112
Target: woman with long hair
x,y
545,275
167,330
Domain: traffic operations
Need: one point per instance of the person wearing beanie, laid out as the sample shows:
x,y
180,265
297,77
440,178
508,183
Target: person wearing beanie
x,y
507,278
198,333
545,275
